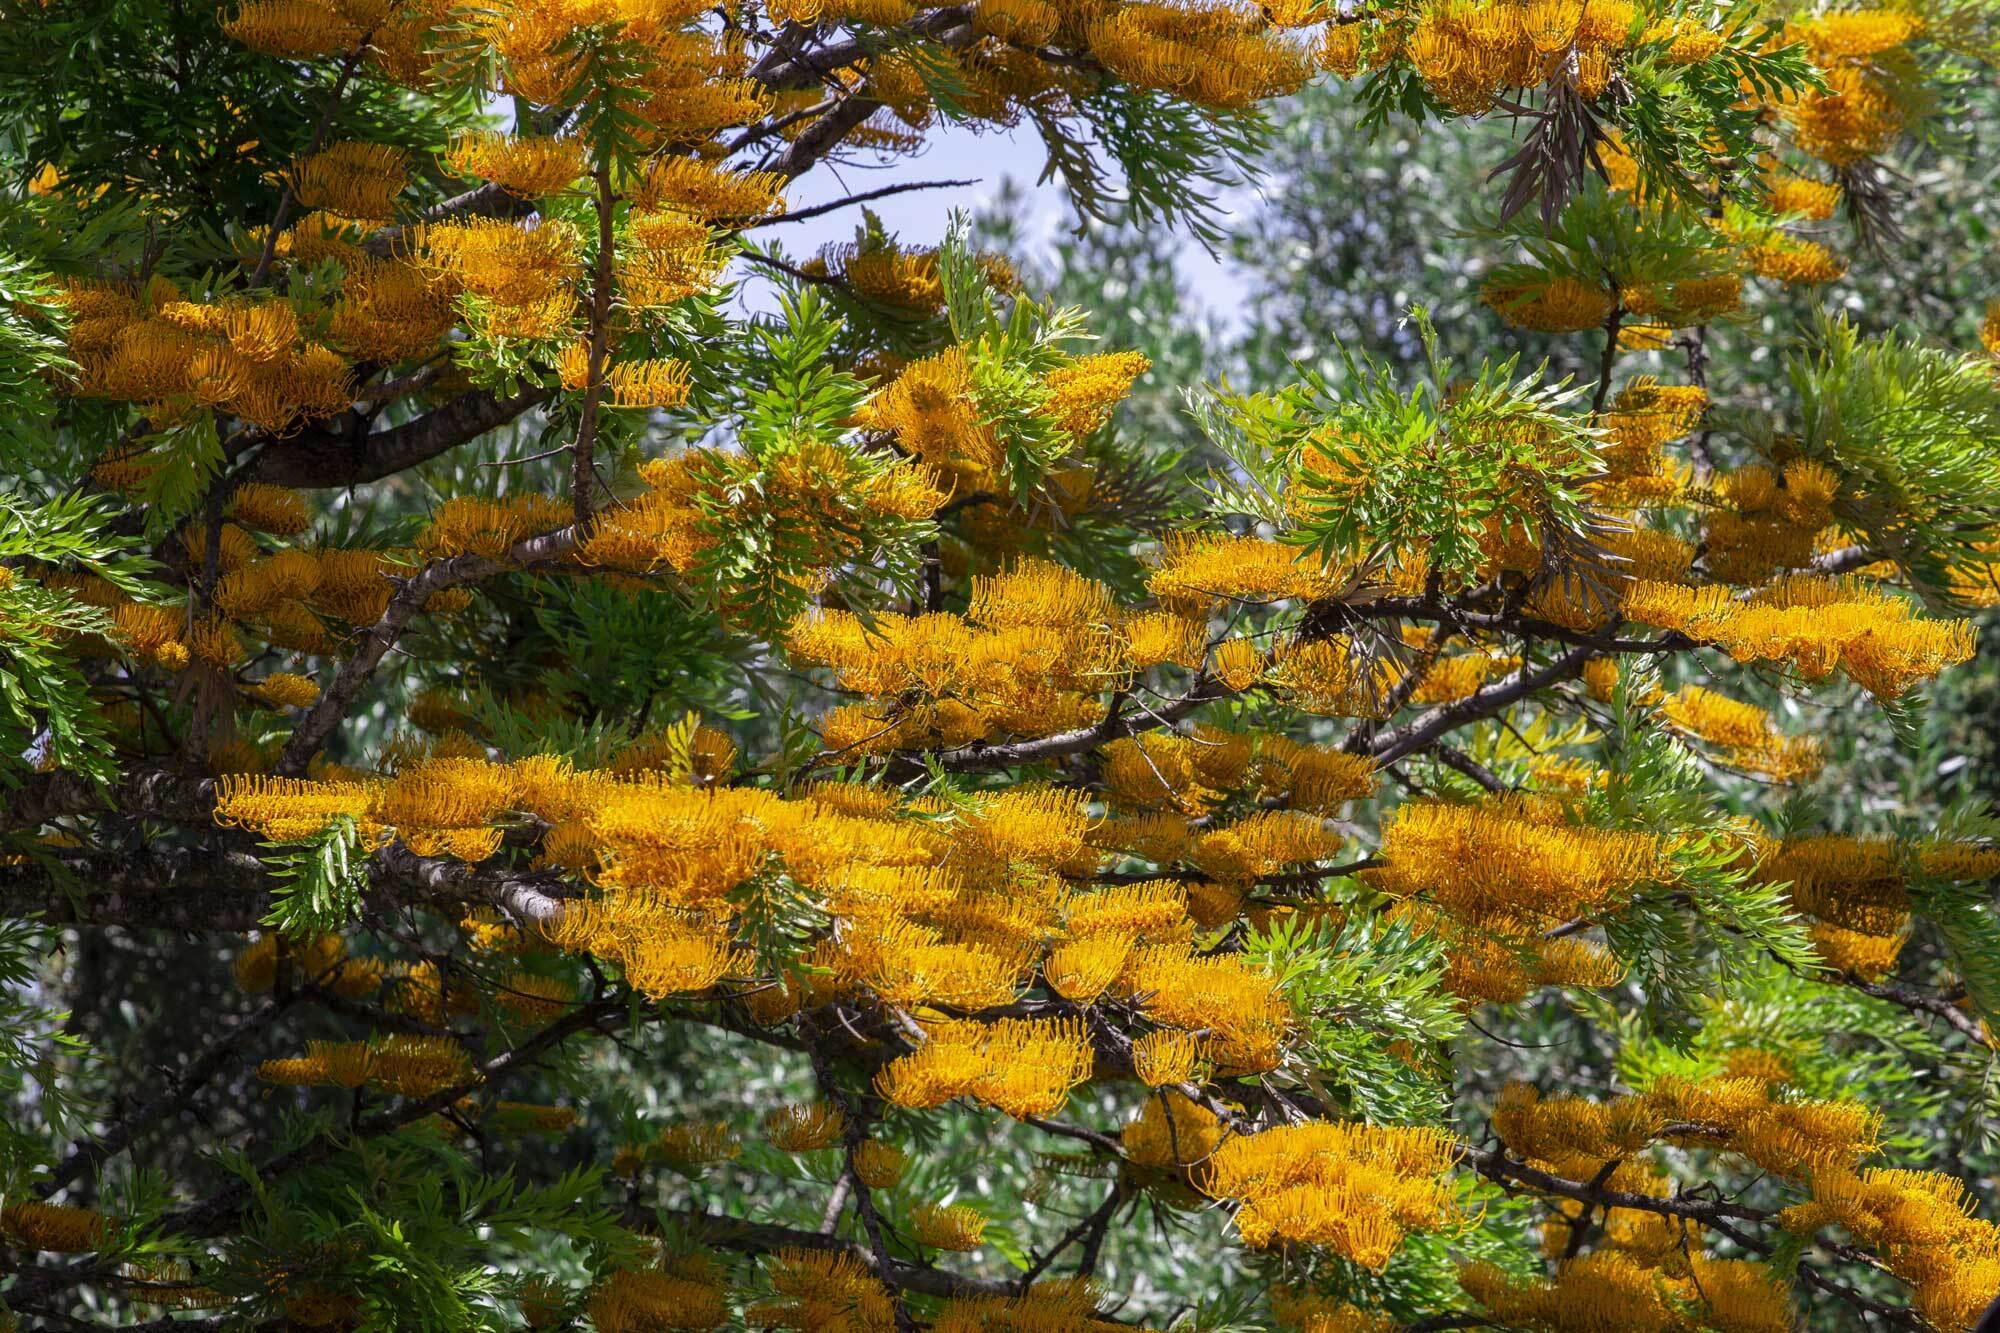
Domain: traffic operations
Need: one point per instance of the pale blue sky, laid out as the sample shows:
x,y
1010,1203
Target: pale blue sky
x,y
987,157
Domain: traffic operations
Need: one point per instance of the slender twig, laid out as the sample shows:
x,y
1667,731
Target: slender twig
x,y
289,196
1609,359
1093,1226
817,210
583,478
1918,1002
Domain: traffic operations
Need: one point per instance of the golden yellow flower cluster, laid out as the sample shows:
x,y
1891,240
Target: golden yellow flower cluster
x,y
810,1287
1082,394
687,80
266,508
1192,774
1352,1188
1034,667
1866,105
1744,731
529,167
401,1065
473,525
934,408
1814,624
1511,859
353,180
804,1128
1920,1222
435,806
1795,1139
957,1226
1467,53
1561,304
300,29
1645,416
1168,1057
520,274
1023,1067
1199,571
880,1165
819,495
695,1145
1171,1134
905,280
34,1225
1611,1288
691,1292
178,357
1216,55
1500,959
266,597
692,188
389,309
1858,889
1489,880
1768,522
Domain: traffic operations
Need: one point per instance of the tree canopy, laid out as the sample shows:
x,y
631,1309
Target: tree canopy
x,y
563,765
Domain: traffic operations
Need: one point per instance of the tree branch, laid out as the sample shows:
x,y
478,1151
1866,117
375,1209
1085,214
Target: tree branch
x,y
327,713
1918,1002
1441,721
1115,726
210,888
327,457
801,214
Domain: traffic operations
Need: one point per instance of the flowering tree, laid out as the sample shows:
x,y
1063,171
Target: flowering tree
x,y
803,821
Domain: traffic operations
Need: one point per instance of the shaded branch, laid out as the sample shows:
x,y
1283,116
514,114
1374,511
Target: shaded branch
x,y
345,455
215,1214
1717,1213
1918,1002
210,888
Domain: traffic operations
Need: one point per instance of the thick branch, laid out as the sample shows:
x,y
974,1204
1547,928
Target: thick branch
x,y
331,457
157,792
783,68
583,479
1497,1166
823,136
204,888
1454,757
1844,561
1717,1213
1439,722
